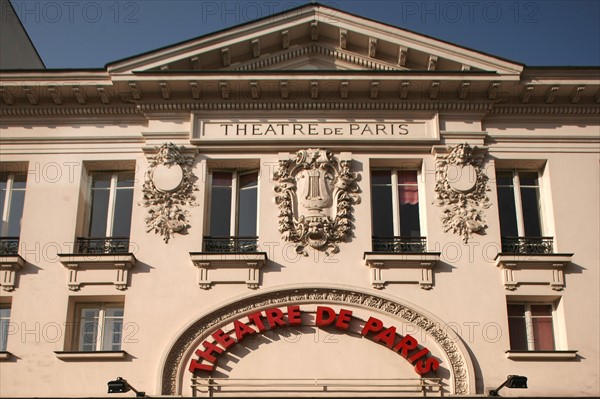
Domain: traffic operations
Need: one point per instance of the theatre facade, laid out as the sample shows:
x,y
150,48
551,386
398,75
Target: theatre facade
x,y
309,204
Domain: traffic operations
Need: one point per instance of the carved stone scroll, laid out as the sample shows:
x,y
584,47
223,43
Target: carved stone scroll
x,y
461,188
169,186
320,216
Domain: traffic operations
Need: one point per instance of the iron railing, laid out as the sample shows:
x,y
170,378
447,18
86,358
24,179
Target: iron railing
x,y
102,245
527,245
9,246
400,244
230,244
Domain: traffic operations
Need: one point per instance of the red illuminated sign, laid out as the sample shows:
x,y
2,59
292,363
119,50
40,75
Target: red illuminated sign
x,y
259,322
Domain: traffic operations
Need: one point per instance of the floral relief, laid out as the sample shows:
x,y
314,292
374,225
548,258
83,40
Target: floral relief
x,y
169,187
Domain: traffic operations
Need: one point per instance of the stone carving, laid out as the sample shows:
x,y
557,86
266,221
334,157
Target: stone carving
x,y
205,325
169,186
321,215
461,188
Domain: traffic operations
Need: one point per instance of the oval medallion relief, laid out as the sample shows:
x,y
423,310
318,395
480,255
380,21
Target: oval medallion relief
x,y
167,178
462,178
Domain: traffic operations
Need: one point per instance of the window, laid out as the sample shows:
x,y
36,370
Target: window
x,y
520,213
395,211
232,219
12,198
4,323
109,221
100,327
531,326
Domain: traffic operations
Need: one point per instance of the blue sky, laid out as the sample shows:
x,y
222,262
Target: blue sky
x,y
89,34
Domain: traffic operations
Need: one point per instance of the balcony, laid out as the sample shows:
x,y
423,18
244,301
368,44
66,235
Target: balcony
x,y
103,245
229,245
527,245
399,244
9,246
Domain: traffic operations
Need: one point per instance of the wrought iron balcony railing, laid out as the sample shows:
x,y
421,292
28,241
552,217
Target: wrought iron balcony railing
x,y
527,245
9,246
103,245
400,244
230,244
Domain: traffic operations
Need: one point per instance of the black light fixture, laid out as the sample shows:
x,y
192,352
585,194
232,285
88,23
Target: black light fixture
x,y
120,385
512,381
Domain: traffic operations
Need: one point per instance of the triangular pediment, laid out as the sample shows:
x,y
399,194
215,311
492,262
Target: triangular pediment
x,y
314,37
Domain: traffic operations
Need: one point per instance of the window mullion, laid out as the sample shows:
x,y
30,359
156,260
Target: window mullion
x,y
233,225
99,329
112,198
518,204
395,202
7,199
529,328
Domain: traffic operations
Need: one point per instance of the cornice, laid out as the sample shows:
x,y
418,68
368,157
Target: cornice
x,y
513,109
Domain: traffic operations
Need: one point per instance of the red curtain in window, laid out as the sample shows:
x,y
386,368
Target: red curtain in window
x,y
408,192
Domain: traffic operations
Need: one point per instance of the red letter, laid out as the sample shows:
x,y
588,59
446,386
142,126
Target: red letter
x,y
387,337
275,317
195,365
325,316
406,344
255,318
430,364
225,340
293,313
372,324
418,355
242,329
343,320
210,348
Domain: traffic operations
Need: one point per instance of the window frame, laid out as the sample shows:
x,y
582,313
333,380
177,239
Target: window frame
x,y
102,307
397,222
234,207
529,334
4,338
5,211
518,201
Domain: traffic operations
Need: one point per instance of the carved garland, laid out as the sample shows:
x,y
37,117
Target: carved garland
x,y
169,186
462,189
328,183
207,323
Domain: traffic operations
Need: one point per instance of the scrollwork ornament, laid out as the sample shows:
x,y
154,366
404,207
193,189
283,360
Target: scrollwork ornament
x,y
461,188
320,216
169,187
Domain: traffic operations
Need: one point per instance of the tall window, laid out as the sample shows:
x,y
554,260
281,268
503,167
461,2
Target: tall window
x,y
233,210
520,213
531,326
111,200
100,327
12,198
4,323
395,208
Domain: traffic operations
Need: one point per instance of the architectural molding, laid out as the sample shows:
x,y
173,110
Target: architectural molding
x,y
86,356
460,366
168,187
210,264
78,265
520,269
402,268
461,188
542,355
329,184
9,266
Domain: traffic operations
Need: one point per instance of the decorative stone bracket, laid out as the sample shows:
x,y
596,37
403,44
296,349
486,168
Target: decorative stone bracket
x,y
94,269
228,268
9,266
533,269
401,268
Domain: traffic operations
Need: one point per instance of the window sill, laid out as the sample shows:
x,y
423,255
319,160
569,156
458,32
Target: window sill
x,y
541,355
5,355
96,355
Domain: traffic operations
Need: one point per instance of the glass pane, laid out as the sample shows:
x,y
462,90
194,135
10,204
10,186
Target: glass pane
x,y
16,211
541,310
381,177
543,334
517,333
101,179
222,179
516,310
382,212
508,213
99,213
248,180
504,178
3,217
111,336
407,177
528,179
125,178
122,217
408,197
4,313
410,225
19,182
247,205
3,334
220,212
531,213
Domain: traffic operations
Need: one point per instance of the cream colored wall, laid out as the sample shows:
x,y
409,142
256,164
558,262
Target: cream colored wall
x,y
163,297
